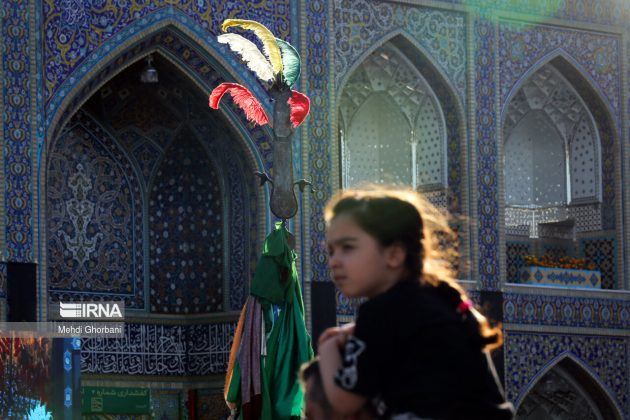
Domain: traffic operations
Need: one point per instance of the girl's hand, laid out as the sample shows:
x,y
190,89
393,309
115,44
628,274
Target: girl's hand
x,y
327,335
342,401
341,333
345,331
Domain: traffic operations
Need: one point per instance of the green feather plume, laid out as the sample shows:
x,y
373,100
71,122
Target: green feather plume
x,y
290,62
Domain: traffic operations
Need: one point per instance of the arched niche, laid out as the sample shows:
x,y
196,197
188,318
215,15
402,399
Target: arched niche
x,y
393,128
567,391
559,166
141,128
396,99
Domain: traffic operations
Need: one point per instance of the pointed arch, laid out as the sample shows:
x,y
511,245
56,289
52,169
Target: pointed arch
x,y
548,98
204,71
456,198
447,96
397,37
113,57
556,57
581,375
400,37
110,59
593,156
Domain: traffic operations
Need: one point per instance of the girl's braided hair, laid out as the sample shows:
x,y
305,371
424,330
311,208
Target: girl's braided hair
x,y
404,216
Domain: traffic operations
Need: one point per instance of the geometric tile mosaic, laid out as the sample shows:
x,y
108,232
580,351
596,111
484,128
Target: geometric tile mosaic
x,y
133,108
147,155
515,251
452,114
241,188
584,157
94,218
564,311
535,163
601,252
607,130
517,230
15,33
588,218
433,41
528,354
186,231
360,24
73,30
486,152
436,198
521,46
318,129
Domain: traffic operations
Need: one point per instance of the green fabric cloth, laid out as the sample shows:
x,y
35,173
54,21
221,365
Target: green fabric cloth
x,y
234,389
288,343
269,283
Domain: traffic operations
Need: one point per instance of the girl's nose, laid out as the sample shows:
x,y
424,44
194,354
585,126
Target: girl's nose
x,y
332,260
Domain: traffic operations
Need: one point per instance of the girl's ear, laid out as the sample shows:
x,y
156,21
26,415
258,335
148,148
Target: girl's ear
x,y
395,255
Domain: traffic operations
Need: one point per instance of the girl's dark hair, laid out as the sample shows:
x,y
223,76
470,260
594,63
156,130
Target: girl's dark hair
x,y
310,370
405,217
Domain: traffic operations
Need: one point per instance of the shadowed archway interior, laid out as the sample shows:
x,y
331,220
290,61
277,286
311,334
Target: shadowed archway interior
x,y
568,392
157,195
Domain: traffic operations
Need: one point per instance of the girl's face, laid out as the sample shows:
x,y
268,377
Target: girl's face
x,y
360,266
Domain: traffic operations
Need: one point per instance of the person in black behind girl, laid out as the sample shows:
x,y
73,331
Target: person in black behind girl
x,y
419,348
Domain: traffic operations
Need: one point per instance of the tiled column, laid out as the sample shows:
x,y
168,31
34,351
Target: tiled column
x,y
487,244
17,72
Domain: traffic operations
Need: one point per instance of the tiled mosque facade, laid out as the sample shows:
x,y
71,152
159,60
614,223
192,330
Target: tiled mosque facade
x,y
516,117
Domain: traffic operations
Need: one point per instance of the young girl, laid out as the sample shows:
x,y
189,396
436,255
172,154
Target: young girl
x,y
419,349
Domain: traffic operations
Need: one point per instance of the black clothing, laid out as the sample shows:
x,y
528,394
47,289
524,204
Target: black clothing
x,y
410,352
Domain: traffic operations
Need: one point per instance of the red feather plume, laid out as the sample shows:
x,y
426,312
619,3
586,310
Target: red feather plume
x,y
243,98
300,107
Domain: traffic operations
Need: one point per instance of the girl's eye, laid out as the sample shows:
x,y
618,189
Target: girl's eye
x,y
347,247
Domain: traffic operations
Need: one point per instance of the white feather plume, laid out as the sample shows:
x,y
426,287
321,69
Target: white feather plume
x,y
250,54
